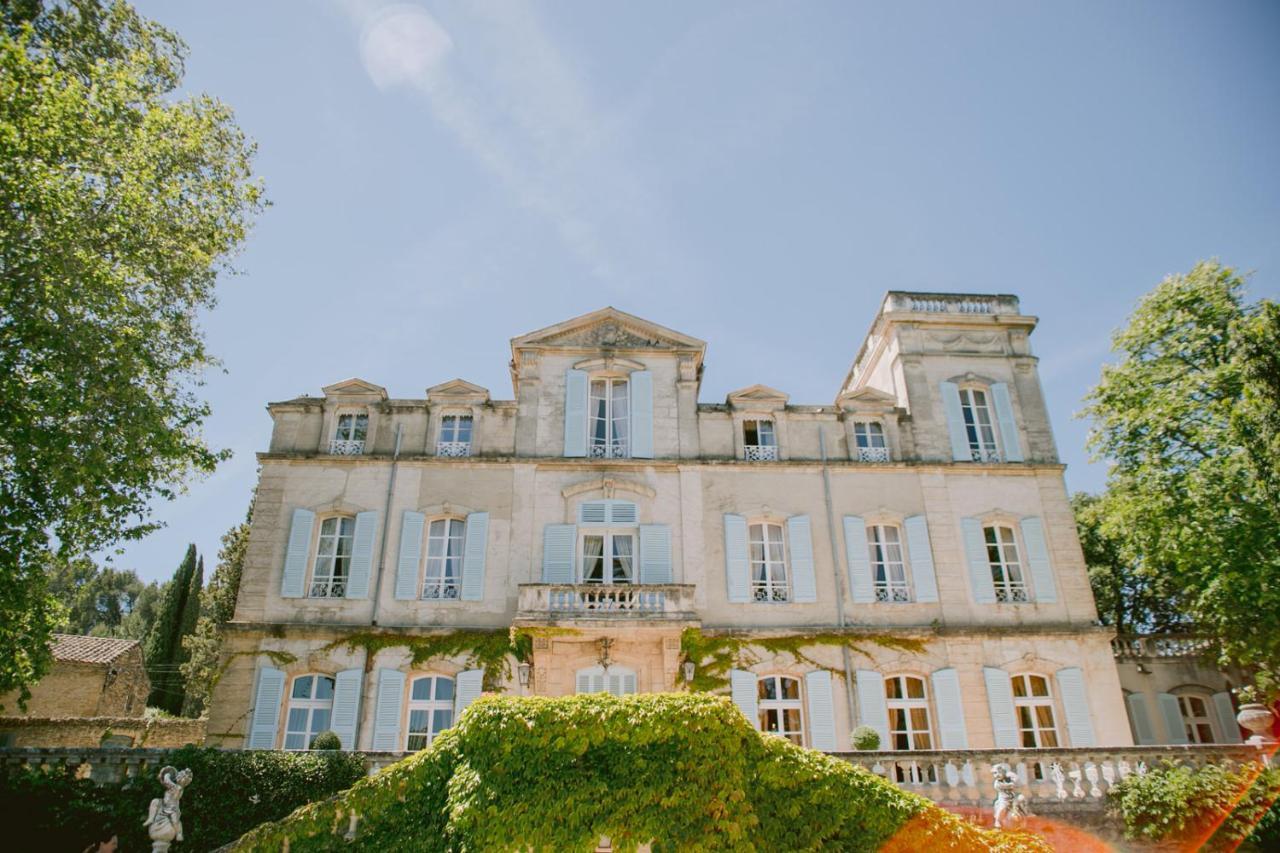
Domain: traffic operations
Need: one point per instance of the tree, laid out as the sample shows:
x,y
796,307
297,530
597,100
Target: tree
x,y
119,206
163,651
1188,419
97,600
217,606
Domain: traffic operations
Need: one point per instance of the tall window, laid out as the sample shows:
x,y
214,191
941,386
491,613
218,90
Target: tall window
x,y
608,418
887,565
444,558
455,436
778,700
978,425
1006,569
768,562
608,557
871,444
348,438
1033,703
310,706
908,706
759,443
1195,718
333,558
430,710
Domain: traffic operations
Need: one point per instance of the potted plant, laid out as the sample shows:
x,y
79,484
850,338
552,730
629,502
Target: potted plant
x,y
865,739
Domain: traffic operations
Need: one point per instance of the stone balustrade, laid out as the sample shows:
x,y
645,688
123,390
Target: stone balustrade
x,y
346,447
1134,647
951,303
540,601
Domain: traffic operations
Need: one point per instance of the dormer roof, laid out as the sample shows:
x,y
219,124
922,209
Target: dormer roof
x,y
458,390
354,387
757,396
610,329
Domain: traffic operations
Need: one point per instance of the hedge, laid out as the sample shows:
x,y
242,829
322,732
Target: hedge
x,y
230,793
684,771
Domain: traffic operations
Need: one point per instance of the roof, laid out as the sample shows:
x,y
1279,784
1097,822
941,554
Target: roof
x,y
78,648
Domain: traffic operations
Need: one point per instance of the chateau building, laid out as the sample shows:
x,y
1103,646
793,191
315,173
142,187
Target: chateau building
x,y
608,513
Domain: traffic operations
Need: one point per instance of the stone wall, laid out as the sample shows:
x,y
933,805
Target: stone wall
x,y
90,732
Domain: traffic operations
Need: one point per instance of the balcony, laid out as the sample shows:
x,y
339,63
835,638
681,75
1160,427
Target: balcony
x,y
540,602
346,447
760,452
454,449
951,303
1167,646
984,454
873,454
607,449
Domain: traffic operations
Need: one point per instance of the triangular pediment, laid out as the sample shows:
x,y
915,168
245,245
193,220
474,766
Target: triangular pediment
x,y
757,394
610,329
868,396
355,388
457,389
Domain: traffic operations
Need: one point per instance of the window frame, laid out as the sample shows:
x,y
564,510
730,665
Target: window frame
x,y
1007,591
774,592
870,451
350,445
910,772
905,591
980,449
444,558
430,706
1191,723
608,533
780,705
447,442
1031,702
612,447
333,587
760,451
310,704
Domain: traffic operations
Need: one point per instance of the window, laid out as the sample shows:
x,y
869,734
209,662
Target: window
x,y
871,444
430,710
616,680
778,699
768,563
310,705
348,439
608,419
1006,570
1195,718
455,436
759,442
444,558
978,426
887,566
333,558
908,707
608,557
1033,704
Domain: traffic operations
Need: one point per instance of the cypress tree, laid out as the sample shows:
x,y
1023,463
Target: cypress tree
x,y
217,605
165,642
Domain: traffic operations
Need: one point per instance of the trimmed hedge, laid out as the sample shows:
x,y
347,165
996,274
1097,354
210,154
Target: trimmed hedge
x,y
685,771
230,793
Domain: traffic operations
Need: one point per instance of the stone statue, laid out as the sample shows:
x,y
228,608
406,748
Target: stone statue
x,y
164,818
1010,807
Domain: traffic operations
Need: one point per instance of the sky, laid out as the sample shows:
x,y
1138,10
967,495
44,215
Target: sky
x,y
447,175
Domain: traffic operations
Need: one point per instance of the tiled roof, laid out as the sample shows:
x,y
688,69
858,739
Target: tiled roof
x,y
82,649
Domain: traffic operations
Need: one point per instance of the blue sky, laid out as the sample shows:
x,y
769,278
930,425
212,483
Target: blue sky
x,y
447,175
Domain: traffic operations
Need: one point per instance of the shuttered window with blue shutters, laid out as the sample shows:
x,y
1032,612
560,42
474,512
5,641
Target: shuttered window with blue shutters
x,y
267,696
475,548
294,579
822,721
386,717
346,705
872,709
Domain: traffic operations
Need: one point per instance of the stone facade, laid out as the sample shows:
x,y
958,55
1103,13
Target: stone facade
x,y
91,732
1174,691
90,677
926,502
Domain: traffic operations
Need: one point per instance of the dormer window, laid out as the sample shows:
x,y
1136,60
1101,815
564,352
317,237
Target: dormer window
x,y
455,436
869,436
349,437
978,425
759,441
608,419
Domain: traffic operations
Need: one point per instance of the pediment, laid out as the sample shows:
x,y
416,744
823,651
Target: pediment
x,y
354,387
757,395
608,329
867,397
457,389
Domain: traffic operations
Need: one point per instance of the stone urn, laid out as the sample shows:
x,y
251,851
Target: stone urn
x,y
1257,718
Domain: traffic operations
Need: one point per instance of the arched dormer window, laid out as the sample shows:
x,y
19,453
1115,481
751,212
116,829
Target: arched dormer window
x,y
455,435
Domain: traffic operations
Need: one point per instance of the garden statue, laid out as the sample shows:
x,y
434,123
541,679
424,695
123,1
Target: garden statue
x,y
164,818
1010,807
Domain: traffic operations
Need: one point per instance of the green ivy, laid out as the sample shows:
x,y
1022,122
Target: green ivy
x,y
715,654
682,771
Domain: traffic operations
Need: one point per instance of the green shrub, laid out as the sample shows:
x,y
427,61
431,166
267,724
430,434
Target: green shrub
x,y
230,793
326,741
865,738
1215,806
685,771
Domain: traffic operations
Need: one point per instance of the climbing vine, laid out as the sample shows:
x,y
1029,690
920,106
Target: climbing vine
x,y
715,654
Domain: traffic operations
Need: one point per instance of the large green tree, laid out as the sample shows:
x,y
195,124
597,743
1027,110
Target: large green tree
x,y
120,203
1189,419
102,601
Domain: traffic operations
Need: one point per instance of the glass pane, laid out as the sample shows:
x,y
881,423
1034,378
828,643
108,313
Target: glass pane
x,y
418,720
790,688
1039,686
298,741
416,742
324,687
1019,685
767,688
622,558
302,687
893,688
297,720
444,688
915,688
1044,716
897,720
319,720
750,435
769,720
442,718
920,719
791,719
421,689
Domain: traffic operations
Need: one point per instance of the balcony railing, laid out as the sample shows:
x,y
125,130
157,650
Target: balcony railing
x,y
607,449
606,601
984,454
346,447
453,448
1131,647
952,303
760,452
873,454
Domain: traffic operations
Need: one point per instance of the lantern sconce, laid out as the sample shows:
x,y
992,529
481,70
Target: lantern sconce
x,y
689,670
523,671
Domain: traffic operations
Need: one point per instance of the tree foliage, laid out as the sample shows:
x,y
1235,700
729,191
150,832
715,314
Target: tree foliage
x,y
175,619
1189,418
103,601
119,206
203,646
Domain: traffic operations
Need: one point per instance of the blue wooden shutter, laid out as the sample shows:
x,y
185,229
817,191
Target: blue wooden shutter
x,y
294,581
575,412
265,722
736,571
975,549
346,706
1143,734
1004,725
861,584
641,389
467,689
952,732
1174,731
1038,560
1226,714
559,541
872,710
362,555
960,451
410,555
822,721
655,553
804,585
920,551
742,686
1008,426
1076,704
475,544
386,713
